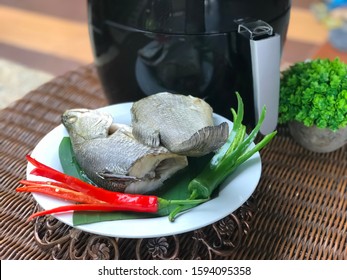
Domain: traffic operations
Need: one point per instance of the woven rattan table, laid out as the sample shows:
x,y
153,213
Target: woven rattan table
x,y
298,211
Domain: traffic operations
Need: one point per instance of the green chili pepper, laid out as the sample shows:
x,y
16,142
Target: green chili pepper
x,y
237,149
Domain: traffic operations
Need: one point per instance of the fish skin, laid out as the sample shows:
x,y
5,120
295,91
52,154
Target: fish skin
x,y
117,161
182,124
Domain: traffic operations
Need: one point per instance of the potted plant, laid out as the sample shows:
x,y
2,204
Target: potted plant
x,y
313,101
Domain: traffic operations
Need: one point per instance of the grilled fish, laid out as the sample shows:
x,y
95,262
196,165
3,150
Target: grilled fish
x,y
112,158
182,124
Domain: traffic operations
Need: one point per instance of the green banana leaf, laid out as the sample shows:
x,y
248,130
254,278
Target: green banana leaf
x,y
173,188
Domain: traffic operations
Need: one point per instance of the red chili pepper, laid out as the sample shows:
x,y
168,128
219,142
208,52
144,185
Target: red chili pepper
x,y
81,186
84,207
51,183
51,189
132,202
100,200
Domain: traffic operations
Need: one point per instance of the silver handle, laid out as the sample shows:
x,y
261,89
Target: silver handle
x,y
265,58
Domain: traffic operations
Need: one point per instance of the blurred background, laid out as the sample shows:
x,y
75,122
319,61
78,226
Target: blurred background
x,y
41,39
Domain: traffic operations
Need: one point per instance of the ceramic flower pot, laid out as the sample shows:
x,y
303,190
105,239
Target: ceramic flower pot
x,y
316,139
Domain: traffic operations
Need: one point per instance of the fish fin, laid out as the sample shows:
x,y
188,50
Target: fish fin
x,y
205,140
117,177
146,135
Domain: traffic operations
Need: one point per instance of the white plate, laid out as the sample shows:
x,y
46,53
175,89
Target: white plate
x,y
234,191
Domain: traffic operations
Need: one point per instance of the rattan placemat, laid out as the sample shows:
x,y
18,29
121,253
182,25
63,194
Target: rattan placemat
x,y
298,211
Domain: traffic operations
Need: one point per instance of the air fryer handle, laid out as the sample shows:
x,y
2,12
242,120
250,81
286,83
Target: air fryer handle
x,y
265,54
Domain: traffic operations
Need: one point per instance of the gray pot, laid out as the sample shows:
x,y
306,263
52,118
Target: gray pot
x,y
321,140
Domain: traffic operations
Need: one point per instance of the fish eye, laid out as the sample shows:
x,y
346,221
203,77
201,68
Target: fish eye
x,y
71,119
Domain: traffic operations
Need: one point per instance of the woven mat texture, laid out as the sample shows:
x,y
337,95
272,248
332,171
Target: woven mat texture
x,y
299,209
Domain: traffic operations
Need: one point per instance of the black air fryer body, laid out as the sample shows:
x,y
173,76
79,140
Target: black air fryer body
x,y
194,47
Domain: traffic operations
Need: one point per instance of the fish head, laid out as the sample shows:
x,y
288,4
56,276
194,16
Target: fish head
x,y
84,124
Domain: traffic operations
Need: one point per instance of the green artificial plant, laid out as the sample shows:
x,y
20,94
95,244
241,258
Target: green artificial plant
x,y
314,92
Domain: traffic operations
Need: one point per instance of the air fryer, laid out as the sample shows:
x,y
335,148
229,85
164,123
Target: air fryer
x,y
205,48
